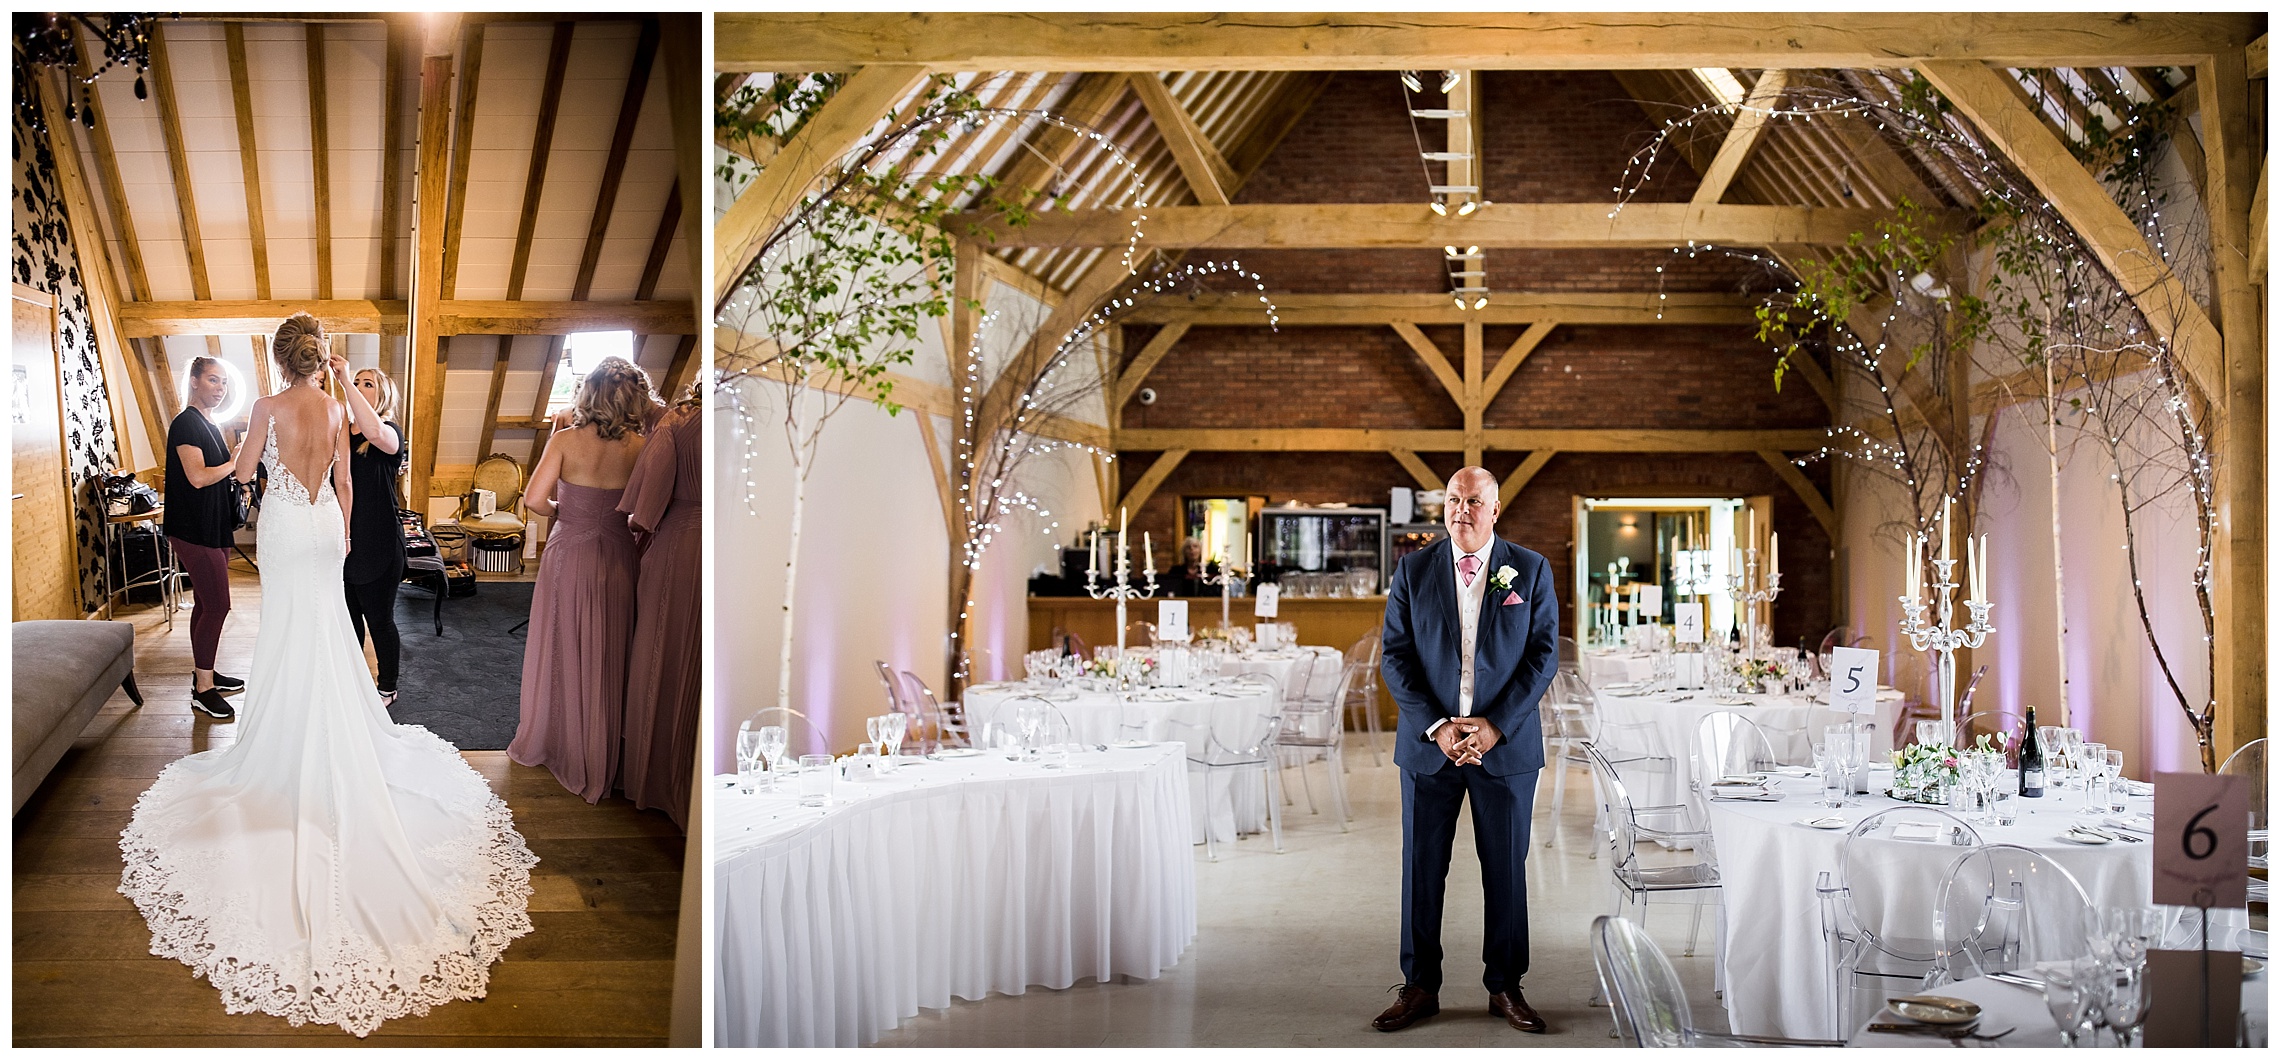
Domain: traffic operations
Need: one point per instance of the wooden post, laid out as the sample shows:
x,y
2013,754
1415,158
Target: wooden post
x,y
2233,158
425,383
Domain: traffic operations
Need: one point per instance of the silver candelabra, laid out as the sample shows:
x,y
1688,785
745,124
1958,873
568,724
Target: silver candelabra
x,y
1120,589
1226,580
1748,589
1943,639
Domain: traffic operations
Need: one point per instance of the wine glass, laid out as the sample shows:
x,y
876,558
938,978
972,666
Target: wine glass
x,y
873,726
891,735
2064,1002
1029,721
2126,1003
747,759
773,740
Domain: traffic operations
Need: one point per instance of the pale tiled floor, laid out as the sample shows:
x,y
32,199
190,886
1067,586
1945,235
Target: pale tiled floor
x,y
1297,949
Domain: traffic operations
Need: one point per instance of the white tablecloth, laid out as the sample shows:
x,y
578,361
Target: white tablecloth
x,y
1603,667
1286,665
2022,1010
1225,802
1777,975
946,879
1789,723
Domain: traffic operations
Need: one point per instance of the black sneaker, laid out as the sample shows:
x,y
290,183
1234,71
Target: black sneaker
x,y
227,685
211,704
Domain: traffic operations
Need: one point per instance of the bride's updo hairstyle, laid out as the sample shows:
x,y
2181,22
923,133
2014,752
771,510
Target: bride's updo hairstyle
x,y
612,399
300,348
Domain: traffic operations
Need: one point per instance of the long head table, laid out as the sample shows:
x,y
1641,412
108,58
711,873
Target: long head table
x,y
944,879
1775,965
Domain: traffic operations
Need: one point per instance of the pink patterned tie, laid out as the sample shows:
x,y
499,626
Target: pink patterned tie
x,y
1470,568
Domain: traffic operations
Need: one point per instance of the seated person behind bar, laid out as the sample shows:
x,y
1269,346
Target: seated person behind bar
x,y
1191,578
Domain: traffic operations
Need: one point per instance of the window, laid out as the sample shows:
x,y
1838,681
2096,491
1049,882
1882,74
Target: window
x,y
580,353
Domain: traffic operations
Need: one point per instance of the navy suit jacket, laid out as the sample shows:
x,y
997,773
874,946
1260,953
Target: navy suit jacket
x,y
1515,654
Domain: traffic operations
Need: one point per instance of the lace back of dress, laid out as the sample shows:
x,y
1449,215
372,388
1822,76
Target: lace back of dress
x,y
282,476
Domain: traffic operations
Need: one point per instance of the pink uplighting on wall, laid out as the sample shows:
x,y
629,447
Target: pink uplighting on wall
x,y
816,649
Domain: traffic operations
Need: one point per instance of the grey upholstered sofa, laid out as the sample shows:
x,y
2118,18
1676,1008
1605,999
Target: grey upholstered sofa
x,y
65,671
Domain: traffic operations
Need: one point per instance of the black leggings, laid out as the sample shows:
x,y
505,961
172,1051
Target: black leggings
x,y
374,603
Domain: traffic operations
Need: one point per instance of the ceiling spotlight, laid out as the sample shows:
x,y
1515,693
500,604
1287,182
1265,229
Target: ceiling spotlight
x,y
1440,210
1460,301
1450,251
1449,81
1469,206
1481,302
1409,80
1472,250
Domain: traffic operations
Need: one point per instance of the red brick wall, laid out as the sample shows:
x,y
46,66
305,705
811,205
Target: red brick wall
x,y
1551,136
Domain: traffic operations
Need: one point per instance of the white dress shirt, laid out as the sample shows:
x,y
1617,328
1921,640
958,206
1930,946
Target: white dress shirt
x,y
1468,621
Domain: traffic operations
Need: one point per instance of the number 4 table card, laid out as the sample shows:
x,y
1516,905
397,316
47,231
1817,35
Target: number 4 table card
x,y
1688,628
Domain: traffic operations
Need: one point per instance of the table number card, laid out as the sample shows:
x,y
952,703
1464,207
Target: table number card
x,y
2200,852
1689,624
1263,605
1171,620
1852,680
1650,603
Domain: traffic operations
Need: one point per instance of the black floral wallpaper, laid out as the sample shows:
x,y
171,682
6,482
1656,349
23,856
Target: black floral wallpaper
x,y
43,257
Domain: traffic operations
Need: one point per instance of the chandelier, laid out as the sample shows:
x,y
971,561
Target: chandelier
x,y
52,41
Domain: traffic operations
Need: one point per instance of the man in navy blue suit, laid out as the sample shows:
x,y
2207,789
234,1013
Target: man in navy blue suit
x,y
1471,642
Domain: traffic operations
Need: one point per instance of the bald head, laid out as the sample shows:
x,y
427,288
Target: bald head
x,y
1472,509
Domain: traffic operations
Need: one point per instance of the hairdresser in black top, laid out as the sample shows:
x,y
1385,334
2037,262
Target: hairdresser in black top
x,y
375,566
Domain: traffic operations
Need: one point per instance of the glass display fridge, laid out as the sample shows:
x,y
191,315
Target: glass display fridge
x,y
1321,540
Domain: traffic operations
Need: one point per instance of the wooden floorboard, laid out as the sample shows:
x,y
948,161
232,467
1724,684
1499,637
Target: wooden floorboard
x,y
596,970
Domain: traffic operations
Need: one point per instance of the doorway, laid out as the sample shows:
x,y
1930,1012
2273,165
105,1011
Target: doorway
x,y
1684,546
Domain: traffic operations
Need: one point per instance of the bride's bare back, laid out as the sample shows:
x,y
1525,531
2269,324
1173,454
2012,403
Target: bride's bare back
x,y
312,439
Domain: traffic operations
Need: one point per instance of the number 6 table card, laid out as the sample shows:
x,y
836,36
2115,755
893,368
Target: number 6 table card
x,y
2200,840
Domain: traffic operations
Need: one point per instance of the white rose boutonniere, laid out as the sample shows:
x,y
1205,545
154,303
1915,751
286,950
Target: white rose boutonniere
x,y
1503,578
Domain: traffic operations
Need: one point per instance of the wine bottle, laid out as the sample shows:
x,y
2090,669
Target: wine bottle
x,y
2030,761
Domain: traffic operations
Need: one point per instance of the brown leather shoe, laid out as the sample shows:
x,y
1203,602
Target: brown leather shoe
x,y
1415,1003
1515,1011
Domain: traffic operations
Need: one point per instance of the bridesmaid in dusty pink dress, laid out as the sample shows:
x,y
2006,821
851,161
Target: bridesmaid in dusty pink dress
x,y
581,614
665,499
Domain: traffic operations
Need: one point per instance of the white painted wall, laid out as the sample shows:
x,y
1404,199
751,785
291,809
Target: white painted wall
x,y
2116,692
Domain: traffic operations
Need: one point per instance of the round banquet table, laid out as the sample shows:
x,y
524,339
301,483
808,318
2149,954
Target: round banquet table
x,y
2021,1008
943,879
1773,963
1285,665
1606,666
1226,802
1789,723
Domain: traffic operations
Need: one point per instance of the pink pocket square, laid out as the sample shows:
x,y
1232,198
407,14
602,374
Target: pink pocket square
x,y
1513,598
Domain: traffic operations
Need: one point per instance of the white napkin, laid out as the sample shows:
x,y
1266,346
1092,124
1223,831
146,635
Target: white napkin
x,y
1916,831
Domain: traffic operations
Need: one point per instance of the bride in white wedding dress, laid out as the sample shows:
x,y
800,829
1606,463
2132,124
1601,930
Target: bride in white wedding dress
x,y
330,866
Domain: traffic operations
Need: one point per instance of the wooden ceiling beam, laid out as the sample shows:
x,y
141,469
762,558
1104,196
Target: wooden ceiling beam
x,y
837,126
1435,361
1045,154
1514,356
1361,226
1151,479
241,94
669,316
115,194
1508,307
682,369
1742,138
178,166
425,380
1418,471
320,157
1341,439
1520,477
1206,170
1128,381
1805,489
391,174
661,246
462,150
748,41
1981,94
534,185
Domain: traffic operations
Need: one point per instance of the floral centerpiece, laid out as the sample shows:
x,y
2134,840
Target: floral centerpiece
x,y
1133,667
1755,674
1922,772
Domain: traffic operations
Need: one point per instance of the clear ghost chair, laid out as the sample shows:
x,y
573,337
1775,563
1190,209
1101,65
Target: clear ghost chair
x,y
2248,762
1629,825
1727,744
1570,722
1313,728
944,724
1571,656
1360,698
2002,908
1650,1003
1873,927
1246,745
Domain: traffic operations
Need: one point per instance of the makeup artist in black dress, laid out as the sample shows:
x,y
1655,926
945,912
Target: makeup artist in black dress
x,y
376,456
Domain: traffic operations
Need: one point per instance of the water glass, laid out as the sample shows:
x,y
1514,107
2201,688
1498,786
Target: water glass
x,y
891,737
1935,732
2006,806
816,774
2117,788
